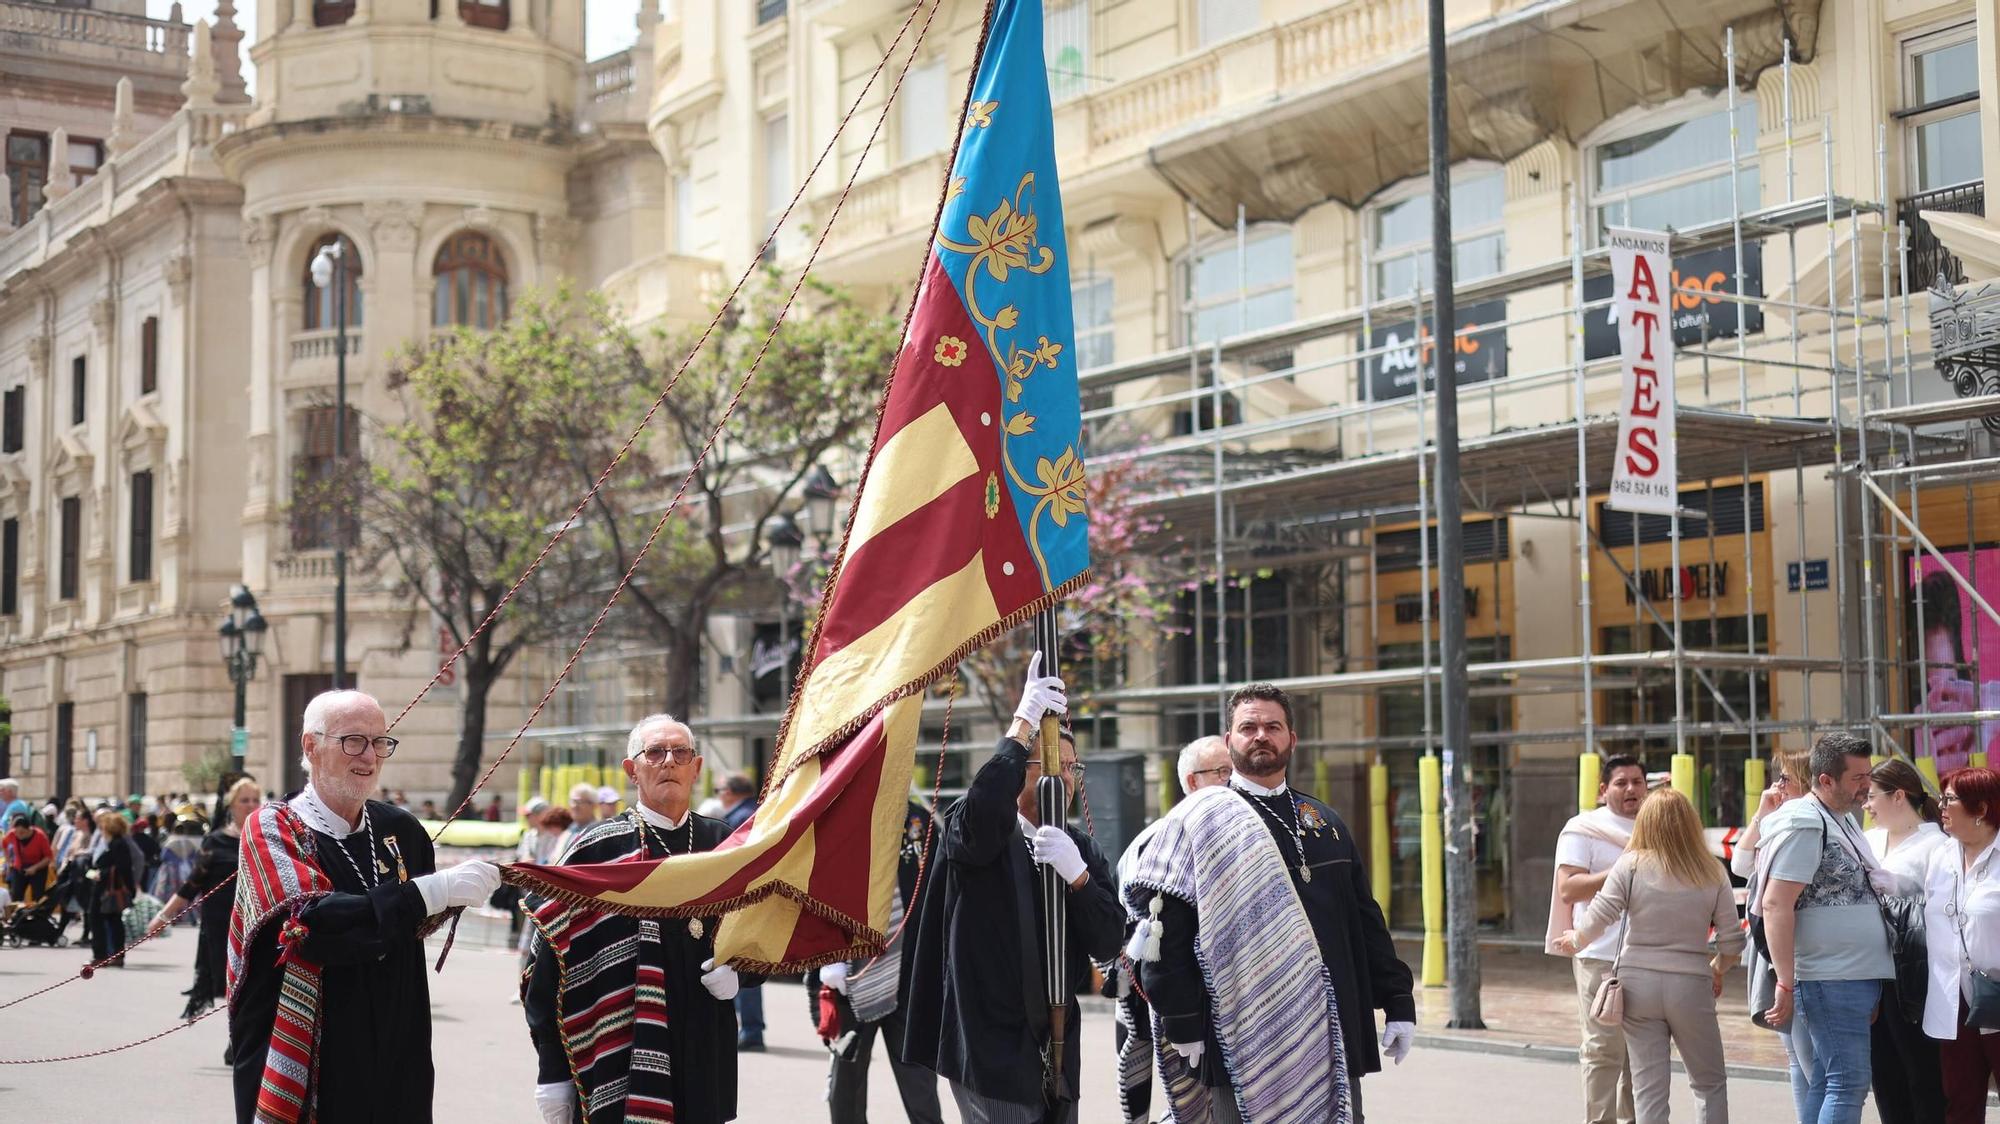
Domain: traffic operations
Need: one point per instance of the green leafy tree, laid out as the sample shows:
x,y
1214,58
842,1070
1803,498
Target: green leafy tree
x,y
812,398
477,468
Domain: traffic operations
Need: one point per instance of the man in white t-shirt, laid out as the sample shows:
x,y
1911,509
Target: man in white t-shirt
x,y
1589,844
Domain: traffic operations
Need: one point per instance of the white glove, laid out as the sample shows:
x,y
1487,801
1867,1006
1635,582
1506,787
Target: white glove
x,y
720,982
467,884
1396,1040
1053,847
834,975
1041,694
554,1101
1883,881
1189,1050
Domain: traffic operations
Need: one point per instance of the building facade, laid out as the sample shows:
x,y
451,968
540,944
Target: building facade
x,y
170,365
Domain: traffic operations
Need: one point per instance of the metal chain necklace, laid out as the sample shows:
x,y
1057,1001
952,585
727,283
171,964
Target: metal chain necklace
x,y
1294,832
648,831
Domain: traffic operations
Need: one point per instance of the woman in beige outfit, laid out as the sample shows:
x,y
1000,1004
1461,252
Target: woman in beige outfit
x,y
1672,893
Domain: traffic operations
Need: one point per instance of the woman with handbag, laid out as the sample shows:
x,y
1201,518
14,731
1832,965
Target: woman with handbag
x,y
1903,1060
1962,914
1664,984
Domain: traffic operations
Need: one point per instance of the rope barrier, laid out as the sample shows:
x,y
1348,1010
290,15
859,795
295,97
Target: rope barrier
x,y
708,446
174,1029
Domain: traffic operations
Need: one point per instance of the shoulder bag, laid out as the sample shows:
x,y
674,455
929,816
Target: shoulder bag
x,y
1982,991
1607,1008
1903,922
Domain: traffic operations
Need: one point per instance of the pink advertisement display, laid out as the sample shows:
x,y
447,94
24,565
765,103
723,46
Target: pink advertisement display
x,y
1960,653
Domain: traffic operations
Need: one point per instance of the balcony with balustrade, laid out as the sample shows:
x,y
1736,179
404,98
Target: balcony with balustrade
x,y
57,39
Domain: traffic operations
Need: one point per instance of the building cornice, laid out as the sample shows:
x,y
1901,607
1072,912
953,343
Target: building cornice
x,y
242,150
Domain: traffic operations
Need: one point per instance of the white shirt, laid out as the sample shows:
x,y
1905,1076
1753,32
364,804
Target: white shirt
x,y
1252,787
1593,855
318,816
659,819
1950,896
1911,858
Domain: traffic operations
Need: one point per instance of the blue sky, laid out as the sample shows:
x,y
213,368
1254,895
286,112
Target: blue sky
x,y
608,23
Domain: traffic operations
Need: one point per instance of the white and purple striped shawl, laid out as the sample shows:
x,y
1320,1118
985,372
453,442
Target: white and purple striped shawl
x,y
1270,997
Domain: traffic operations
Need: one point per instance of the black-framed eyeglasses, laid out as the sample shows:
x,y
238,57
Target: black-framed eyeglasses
x,y
1948,799
659,755
1218,771
354,745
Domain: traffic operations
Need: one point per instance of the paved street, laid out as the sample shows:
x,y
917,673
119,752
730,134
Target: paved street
x,y
485,1068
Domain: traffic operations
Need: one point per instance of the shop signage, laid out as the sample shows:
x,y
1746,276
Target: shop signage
x,y
1814,575
1409,607
1703,580
1479,355
1644,465
1700,282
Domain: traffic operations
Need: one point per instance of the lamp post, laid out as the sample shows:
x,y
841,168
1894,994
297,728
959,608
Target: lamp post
x,y
821,494
783,540
242,641
329,266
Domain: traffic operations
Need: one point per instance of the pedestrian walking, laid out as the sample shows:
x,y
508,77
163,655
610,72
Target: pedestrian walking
x,y
1909,1087
1962,930
1672,894
214,866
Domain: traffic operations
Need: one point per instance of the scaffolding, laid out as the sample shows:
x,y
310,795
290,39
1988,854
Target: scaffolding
x,y
1826,389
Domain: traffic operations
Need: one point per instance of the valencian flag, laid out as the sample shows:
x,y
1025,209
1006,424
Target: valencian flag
x,y
969,519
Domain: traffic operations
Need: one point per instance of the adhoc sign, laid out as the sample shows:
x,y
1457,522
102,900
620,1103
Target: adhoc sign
x,y
1643,468
1699,312
1481,355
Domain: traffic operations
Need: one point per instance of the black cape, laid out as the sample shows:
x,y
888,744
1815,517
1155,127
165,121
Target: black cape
x,y
701,1028
214,865
977,1006
375,999
1353,940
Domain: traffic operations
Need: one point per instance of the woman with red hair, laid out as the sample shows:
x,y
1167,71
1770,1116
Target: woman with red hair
x,y
1962,923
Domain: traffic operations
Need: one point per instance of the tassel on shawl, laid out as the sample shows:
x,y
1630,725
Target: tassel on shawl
x,y
1145,943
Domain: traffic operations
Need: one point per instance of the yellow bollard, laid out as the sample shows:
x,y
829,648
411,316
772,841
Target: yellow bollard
x,y
1928,767
1322,785
1753,788
1683,775
1430,789
524,785
1378,832
920,776
1589,778
1170,785
1979,759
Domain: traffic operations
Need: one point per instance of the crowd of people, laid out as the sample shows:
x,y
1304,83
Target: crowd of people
x,y
1874,954
1243,917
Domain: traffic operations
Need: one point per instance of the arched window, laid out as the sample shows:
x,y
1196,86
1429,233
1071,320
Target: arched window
x,y
318,302
471,282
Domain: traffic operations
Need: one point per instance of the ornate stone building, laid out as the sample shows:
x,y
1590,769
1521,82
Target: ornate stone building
x,y
169,365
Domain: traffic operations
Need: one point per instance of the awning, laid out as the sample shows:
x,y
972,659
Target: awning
x,y
1559,68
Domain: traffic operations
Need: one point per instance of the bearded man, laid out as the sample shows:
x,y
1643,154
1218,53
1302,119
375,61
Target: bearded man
x,y
1211,869
329,998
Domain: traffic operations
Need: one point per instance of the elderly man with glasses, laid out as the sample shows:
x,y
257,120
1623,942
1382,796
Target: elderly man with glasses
x,y
648,1032
329,999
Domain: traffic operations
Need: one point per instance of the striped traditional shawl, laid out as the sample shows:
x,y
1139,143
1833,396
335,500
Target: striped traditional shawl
x,y
1270,997
276,877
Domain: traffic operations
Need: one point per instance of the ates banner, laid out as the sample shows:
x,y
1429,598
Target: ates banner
x,y
1643,471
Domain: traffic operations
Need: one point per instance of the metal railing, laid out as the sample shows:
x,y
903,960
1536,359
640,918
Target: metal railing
x,y
1928,257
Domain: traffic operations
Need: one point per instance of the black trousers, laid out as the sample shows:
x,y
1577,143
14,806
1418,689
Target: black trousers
x,y
847,1081
1908,1081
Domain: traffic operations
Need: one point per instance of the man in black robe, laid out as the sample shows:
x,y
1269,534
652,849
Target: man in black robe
x,y
1331,880
865,997
338,1027
630,1017
975,995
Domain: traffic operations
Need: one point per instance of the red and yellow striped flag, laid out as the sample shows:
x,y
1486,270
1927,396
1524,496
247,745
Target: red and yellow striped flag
x,y
969,519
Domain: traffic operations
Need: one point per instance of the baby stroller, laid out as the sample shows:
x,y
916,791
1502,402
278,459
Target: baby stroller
x,y
38,923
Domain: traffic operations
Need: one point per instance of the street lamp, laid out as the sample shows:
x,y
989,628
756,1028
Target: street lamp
x,y
782,540
329,267
242,641
821,494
